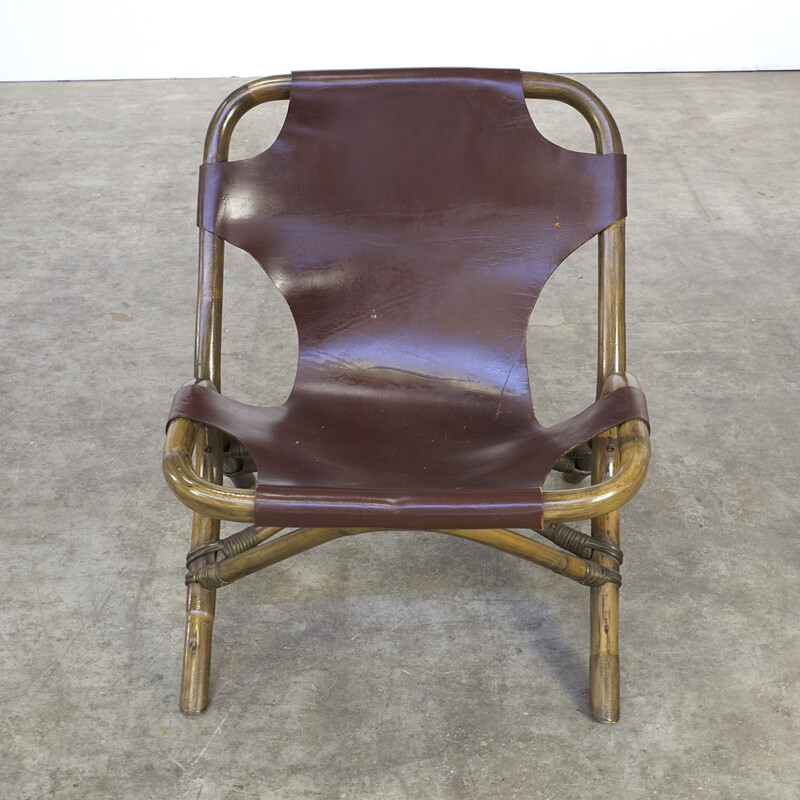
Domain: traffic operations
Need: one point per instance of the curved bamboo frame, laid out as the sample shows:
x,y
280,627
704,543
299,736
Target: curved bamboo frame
x,y
562,505
621,456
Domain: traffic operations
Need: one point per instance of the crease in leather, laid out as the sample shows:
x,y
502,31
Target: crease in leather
x,y
410,218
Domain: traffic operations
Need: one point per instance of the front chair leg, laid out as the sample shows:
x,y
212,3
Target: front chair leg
x,y
201,602
200,606
604,627
604,600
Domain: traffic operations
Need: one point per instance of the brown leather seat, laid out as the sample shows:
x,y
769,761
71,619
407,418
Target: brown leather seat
x,y
410,218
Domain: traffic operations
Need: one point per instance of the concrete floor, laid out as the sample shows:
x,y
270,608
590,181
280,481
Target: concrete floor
x,y
407,665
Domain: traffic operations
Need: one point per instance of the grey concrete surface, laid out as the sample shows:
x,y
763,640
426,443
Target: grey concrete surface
x,y
396,665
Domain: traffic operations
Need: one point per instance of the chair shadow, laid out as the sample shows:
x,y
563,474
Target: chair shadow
x,y
535,608
551,641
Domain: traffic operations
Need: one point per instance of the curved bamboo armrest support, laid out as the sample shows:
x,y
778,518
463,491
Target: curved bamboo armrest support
x,y
238,505
210,499
601,498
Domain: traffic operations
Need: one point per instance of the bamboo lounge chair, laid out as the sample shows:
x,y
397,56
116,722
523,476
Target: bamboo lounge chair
x,y
410,218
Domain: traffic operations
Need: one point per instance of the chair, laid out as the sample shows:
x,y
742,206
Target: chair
x,y
410,218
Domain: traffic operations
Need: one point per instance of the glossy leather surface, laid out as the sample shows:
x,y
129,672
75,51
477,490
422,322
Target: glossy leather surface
x,y
410,218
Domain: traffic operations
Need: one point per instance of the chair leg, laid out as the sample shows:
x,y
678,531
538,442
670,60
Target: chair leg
x,y
604,627
200,605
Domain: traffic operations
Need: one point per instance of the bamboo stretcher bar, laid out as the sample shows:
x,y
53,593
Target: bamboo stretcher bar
x,y
220,573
